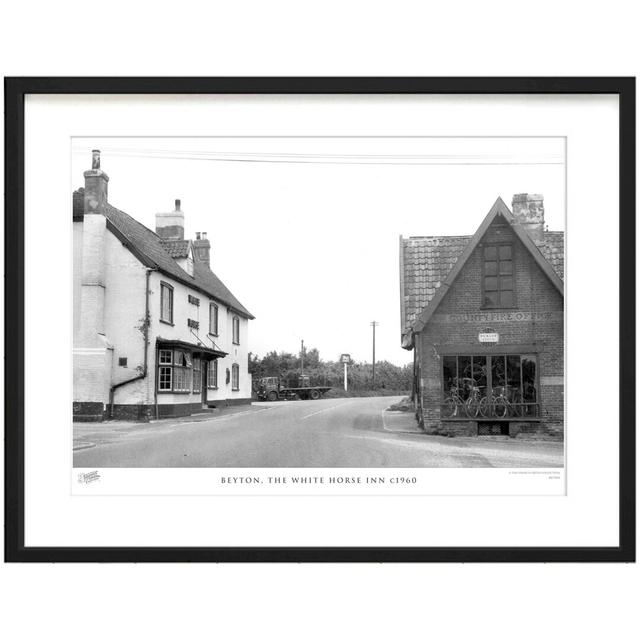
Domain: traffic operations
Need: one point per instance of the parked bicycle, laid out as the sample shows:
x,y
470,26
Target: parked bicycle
x,y
499,404
456,406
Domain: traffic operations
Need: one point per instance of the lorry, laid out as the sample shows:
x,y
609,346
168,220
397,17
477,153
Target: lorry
x,y
272,389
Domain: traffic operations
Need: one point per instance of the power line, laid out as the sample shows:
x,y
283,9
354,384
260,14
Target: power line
x,y
371,159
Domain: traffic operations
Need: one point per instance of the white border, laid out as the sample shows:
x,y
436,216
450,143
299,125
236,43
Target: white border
x,y
586,516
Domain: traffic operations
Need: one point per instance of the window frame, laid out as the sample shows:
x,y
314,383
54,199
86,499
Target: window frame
x,y
179,373
521,353
235,377
165,365
212,374
235,322
498,276
213,305
165,286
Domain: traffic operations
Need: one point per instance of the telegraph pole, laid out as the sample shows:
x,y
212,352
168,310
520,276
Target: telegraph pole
x,y
374,324
301,357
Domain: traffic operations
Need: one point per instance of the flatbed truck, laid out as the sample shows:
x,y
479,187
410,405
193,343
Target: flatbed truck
x,y
272,389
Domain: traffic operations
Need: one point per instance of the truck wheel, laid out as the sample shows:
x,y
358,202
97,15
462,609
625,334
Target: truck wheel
x,y
273,396
315,394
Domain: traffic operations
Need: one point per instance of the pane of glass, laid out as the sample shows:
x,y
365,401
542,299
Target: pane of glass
x,y
165,379
479,368
506,266
505,252
491,252
464,376
490,268
506,283
448,375
497,374
507,299
513,378
491,299
490,283
529,378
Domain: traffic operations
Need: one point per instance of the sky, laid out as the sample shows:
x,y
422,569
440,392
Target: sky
x,y
305,231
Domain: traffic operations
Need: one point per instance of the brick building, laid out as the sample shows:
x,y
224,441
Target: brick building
x,y
155,331
484,315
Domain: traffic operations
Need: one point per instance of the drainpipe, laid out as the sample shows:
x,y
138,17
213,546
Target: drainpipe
x,y
145,368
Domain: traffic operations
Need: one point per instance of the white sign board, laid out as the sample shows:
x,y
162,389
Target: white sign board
x,y
345,358
488,337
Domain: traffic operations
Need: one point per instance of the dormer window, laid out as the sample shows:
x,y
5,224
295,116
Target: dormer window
x,y
497,277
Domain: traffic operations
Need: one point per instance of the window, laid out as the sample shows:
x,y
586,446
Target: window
x,y
496,386
197,375
212,378
235,377
236,330
174,370
497,276
213,319
166,302
165,372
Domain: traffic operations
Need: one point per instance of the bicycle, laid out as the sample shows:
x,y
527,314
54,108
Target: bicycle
x,y
499,406
454,405
472,403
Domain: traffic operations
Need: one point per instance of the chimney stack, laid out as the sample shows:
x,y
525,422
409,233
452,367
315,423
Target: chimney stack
x,y
528,210
96,182
170,226
202,248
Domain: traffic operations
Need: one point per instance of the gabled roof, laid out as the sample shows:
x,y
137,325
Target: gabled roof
x,y
149,248
429,265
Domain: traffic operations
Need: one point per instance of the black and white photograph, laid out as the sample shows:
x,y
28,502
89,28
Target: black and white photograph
x,y
318,302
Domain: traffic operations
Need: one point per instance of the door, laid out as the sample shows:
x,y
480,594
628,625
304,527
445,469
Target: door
x,y
205,373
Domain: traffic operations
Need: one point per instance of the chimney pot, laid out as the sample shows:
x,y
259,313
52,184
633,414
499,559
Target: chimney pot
x,y
95,159
197,235
177,204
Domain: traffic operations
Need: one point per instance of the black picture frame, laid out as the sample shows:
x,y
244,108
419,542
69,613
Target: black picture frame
x,y
15,91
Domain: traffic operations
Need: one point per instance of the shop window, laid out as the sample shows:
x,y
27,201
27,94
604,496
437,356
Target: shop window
x,y
166,302
213,374
174,371
213,319
498,277
235,377
488,387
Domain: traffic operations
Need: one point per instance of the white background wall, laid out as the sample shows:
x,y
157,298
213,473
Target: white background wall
x,y
331,38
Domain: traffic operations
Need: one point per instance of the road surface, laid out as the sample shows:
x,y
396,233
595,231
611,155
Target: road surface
x,y
343,432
